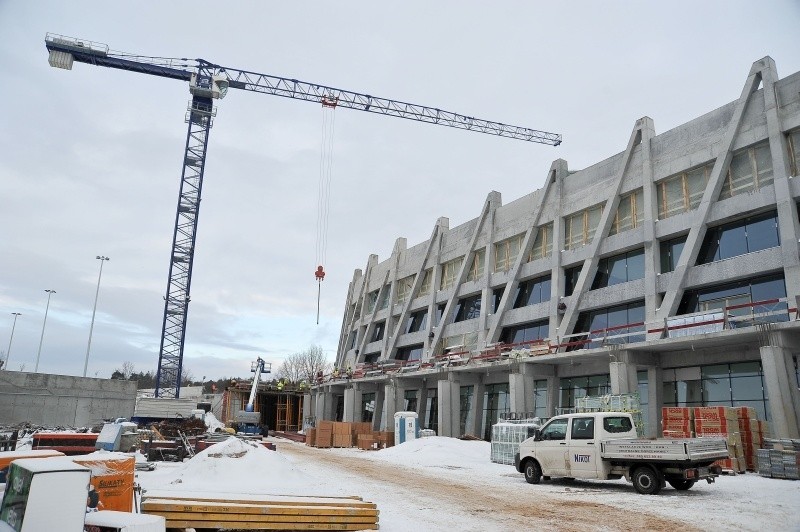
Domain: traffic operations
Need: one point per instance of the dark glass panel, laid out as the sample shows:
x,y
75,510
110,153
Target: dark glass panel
x,y
636,265
732,242
747,388
762,233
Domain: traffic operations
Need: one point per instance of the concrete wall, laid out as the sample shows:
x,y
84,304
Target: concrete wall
x,y
62,400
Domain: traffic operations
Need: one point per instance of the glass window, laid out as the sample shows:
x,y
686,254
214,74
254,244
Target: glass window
x,y
617,424
540,398
377,331
747,388
622,320
794,150
581,226
411,397
762,232
737,238
671,253
555,430
450,272
582,428
532,291
630,213
749,170
644,397
619,269
431,420
683,192
372,299
529,332
543,244
497,295
506,252
404,286
384,301
467,308
495,402
367,407
427,280
467,420
417,321
476,268
411,353
571,279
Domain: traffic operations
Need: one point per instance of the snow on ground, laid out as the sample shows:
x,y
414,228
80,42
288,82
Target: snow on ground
x,y
741,502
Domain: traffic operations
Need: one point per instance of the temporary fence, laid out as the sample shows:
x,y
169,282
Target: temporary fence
x,y
506,437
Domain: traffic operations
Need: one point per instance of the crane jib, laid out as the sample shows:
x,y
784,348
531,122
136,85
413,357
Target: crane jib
x,y
209,81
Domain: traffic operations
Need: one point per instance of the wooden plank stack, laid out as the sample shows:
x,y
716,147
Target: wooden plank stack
x,y
267,512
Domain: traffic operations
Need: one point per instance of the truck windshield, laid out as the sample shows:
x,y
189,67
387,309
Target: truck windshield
x,y
617,424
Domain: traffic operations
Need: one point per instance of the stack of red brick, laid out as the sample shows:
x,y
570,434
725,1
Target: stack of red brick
x,y
738,425
344,434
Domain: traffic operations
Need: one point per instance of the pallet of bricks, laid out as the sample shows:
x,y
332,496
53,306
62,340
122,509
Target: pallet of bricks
x,y
779,458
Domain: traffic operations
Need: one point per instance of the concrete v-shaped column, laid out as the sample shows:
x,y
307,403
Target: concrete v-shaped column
x,y
669,306
643,125
525,248
492,202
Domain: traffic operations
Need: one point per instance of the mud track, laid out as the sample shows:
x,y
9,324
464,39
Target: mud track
x,y
508,507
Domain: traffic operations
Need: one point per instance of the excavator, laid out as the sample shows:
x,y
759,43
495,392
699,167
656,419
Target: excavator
x,y
248,421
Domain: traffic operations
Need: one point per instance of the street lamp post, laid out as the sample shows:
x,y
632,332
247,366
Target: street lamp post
x,y
8,351
102,259
39,353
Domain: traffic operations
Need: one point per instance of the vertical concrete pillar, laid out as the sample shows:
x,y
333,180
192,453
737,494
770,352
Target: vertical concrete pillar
x,y
478,393
349,405
308,408
553,396
622,374
448,394
377,414
655,400
784,403
422,403
518,390
389,406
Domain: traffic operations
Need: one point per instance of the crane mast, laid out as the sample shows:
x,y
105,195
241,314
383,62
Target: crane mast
x,y
209,82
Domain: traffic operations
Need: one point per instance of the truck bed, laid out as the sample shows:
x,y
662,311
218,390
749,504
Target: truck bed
x,y
690,450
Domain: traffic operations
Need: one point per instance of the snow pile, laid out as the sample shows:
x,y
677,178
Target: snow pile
x,y
435,451
212,423
235,465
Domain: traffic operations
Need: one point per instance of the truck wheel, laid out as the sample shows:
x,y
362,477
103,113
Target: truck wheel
x,y
681,484
533,473
646,481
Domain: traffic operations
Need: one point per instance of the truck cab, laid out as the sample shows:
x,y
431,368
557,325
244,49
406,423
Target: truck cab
x,y
568,446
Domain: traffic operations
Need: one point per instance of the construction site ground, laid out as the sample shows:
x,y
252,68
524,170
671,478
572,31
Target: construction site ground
x,y
412,491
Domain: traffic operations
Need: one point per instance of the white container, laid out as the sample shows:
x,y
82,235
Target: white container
x,y
406,427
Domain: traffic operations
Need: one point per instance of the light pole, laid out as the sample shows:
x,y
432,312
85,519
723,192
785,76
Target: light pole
x,y
39,353
8,351
102,259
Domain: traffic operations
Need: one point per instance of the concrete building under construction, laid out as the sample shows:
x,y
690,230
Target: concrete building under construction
x,y
671,269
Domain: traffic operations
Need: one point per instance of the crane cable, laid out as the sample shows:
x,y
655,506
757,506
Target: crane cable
x,y
324,196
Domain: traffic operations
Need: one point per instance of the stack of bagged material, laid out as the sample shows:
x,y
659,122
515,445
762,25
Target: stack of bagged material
x,y
311,436
677,422
779,459
722,422
342,434
324,431
751,432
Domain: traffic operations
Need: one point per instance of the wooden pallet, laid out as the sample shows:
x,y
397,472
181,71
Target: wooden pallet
x,y
269,512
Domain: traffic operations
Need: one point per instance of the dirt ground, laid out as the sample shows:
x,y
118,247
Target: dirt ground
x,y
504,508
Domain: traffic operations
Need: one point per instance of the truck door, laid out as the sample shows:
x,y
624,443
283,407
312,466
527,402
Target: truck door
x,y
583,448
551,448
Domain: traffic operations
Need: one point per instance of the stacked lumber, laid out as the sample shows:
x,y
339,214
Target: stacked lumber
x,y
267,512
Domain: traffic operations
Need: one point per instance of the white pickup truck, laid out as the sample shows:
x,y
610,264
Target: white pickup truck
x,y
604,445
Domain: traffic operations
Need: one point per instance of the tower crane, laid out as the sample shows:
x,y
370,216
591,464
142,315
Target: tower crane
x,y
209,82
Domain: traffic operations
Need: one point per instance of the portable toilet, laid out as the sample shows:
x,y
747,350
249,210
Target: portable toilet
x,y
406,427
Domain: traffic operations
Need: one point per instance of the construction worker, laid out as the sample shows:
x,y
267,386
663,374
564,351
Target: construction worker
x,y
335,373
280,385
319,377
303,385
349,372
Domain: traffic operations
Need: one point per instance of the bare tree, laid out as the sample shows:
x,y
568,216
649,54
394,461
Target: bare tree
x,y
127,369
303,366
186,376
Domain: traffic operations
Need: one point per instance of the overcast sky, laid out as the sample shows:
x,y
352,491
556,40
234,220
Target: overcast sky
x,y
90,159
